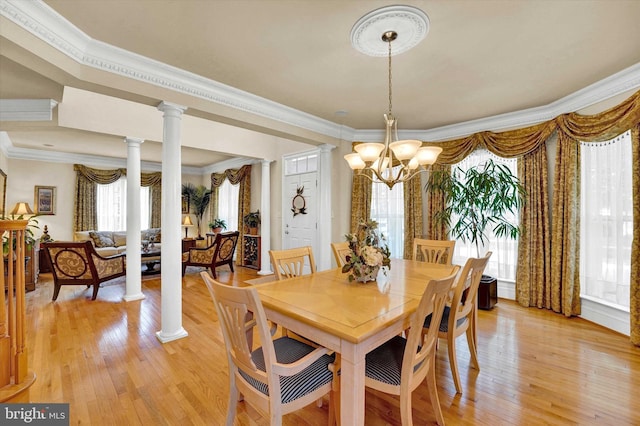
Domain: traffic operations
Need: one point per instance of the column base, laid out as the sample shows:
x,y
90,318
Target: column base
x,y
132,297
165,337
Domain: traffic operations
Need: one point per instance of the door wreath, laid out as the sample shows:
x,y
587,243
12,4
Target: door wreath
x,y
299,204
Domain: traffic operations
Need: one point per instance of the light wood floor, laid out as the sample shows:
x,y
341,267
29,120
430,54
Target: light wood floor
x,y
103,357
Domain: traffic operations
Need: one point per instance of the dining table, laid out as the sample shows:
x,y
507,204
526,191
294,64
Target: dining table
x,y
349,317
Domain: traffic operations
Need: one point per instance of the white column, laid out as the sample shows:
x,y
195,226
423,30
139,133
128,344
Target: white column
x,y
325,213
265,213
134,276
171,272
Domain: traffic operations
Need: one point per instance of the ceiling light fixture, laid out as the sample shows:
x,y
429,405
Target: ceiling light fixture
x,y
409,156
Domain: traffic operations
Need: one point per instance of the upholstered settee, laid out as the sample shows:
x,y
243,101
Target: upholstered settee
x,y
108,243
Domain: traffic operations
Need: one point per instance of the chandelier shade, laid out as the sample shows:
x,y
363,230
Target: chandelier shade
x,y
394,160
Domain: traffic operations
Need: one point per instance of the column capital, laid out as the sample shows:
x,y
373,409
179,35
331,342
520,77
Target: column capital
x,y
133,141
327,147
170,107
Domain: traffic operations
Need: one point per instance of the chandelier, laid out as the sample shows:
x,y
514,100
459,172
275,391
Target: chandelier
x,y
394,160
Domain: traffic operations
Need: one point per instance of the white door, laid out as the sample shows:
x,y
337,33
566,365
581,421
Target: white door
x,y
300,211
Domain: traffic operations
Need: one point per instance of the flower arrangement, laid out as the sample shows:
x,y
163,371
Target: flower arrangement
x,y
369,252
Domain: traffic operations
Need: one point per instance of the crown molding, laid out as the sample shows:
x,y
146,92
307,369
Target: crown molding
x,y
233,163
27,109
18,153
43,22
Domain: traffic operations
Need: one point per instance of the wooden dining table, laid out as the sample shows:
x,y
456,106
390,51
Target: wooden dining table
x,y
350,318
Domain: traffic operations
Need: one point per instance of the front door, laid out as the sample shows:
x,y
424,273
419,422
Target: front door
x,y
300,211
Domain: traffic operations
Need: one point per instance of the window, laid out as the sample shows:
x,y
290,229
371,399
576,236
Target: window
x,y
606,221
387,208
228,196
111,206
503,262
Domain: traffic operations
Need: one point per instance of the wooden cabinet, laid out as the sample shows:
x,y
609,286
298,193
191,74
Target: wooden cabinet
x,y
251,246
32,268
188,243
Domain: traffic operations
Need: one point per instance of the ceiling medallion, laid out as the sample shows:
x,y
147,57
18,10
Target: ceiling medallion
x,y
410,23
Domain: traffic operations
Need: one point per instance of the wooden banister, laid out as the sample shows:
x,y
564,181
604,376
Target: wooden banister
x,y
15,377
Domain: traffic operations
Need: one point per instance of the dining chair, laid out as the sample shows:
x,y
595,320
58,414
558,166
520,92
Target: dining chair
x,y
278,377
401,364
340,252
461,315
433,251
291,262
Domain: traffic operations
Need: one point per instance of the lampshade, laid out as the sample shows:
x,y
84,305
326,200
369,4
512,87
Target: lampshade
x,y
187,221
22,208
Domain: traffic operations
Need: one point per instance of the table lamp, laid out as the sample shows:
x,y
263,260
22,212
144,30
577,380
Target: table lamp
x,y
186,223
21,209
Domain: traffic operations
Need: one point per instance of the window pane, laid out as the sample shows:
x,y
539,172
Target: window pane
x,y
606,220
228,204
111,206
504,259
387,208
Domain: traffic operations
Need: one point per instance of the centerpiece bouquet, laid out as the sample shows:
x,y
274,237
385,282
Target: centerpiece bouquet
x,y
369,252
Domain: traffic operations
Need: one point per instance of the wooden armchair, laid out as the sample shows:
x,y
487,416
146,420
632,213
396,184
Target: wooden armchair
x,y
217,254
77,263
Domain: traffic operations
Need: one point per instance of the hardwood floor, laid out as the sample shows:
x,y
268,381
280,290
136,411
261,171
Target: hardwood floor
x,y
103,357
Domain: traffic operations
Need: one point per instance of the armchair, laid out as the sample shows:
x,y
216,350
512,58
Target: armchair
x,y
217,254
78,263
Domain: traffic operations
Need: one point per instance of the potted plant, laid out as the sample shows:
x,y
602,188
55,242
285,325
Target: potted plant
x,y
29,238
199,199
477,200
252,221
218,225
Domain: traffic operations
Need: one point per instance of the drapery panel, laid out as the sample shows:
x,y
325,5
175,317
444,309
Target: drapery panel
x,y
412,214
85,198
242,177
634,306
360,200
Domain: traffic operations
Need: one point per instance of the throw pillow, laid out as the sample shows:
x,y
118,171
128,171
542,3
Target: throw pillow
x,y
102,239
154,234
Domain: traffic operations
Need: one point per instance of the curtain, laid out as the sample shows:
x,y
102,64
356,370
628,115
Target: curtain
x,y
412,214
635,244
360,200
534,246
85,198
241,176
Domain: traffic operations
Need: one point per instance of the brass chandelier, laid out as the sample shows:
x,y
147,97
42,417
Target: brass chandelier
x,y
408,156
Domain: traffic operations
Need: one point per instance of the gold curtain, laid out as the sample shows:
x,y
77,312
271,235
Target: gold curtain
x,y
360,200
412,214
533,274
635,245
85,215
85,199
154,181
242,177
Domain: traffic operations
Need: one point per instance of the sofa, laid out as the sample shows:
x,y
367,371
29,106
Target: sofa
x,y
108,243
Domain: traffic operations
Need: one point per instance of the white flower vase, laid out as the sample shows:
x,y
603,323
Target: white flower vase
x,y
371,276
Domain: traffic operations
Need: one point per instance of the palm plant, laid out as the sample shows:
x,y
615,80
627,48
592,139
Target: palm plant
x,y
199,199
477,200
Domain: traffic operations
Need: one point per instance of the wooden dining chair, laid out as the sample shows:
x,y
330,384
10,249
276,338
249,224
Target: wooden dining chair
x,y
278,377
291,262
461,314
401,364
340,252
433,251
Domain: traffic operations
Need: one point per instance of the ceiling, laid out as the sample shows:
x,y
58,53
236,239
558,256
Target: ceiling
x,y
479,59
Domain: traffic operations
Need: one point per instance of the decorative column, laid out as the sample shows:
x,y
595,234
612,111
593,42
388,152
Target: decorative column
x,y
325,208
265,212
171,255
134,276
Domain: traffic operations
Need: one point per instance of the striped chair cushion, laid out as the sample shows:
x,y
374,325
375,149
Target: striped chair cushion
x,y
289,350
444,322
384,363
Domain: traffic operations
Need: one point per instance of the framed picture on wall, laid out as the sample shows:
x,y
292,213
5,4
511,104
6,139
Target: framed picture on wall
x,y
3,192
185,204
45,200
